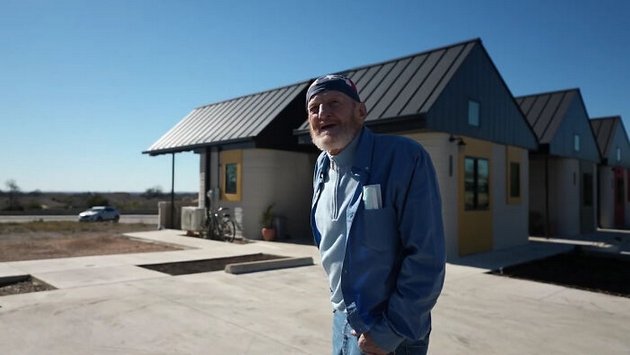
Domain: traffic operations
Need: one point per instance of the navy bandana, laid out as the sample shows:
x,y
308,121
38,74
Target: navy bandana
x,y
333,82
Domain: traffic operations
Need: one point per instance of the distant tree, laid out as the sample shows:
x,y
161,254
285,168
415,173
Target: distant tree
x,y
36,193
153,192
97,200
14,194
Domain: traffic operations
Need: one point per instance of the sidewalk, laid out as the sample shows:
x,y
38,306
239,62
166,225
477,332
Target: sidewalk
x,y
108,305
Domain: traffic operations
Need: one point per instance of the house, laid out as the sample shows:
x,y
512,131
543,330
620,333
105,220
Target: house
x,y
562,175
452,100
455,103
249,157
613,172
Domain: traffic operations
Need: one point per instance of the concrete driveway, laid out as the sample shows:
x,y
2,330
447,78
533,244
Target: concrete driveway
x,y
108,305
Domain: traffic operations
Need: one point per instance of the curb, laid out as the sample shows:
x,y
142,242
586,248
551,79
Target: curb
x,y
264,265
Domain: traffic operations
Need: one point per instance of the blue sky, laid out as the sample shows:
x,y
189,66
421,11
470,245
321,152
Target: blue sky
x,y
86,86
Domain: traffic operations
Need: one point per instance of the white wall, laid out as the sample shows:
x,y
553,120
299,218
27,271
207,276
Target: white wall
x,y
564,196
279,177
439,148
510,221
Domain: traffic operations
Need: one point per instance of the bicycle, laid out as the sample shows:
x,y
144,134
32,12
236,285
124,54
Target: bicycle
x,y
220,225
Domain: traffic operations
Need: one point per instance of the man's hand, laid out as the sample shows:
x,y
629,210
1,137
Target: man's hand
x,y
368,346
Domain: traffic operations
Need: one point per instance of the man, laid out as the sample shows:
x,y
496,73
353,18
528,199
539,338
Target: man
x,y
376,218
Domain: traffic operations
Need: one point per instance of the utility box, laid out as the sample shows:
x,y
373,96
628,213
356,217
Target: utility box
x,y
167,218
193,219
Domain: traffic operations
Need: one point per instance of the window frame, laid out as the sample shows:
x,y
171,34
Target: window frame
x,y
576,142
474,113
476,204
231,158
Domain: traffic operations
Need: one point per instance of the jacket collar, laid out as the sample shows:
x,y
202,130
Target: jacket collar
x,y
361,163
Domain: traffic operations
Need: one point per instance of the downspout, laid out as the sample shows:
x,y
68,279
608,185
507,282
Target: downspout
x,y
598,199
173,192
547,219
206,178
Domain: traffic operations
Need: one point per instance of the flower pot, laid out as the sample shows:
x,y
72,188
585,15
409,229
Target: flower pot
x,y
268,234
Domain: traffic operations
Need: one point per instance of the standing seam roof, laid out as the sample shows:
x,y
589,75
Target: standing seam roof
x,y
604,129
545,112
407,86
240,118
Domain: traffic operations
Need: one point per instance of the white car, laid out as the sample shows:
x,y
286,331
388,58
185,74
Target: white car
x,y
99,213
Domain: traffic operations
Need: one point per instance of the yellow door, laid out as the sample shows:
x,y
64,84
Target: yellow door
x,y
474,202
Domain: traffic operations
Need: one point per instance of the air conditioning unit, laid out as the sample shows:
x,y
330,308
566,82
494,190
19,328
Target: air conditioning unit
x,y
193,218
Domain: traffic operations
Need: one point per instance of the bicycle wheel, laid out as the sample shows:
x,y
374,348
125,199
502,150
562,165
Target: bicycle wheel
x,y
228,229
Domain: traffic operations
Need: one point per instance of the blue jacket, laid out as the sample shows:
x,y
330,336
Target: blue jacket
x,y
393,269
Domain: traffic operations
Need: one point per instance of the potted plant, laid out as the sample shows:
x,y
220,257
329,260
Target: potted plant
x,y
268,231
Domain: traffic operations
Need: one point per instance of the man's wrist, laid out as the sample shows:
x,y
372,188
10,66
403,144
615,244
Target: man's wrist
x,y
383,335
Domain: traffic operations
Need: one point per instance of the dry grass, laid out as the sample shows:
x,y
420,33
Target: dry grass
x,y
44,240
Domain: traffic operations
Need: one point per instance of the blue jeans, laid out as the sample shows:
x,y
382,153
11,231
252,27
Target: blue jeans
x,y
344,343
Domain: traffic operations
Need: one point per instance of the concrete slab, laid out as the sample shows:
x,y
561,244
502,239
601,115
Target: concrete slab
x,y
108,306
96,276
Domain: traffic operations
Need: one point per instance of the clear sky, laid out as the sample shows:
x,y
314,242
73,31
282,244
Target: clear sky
x,y
86,86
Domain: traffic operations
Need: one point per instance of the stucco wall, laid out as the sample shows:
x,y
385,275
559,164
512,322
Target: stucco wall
x,y
439,148
510,221
564,196
282,178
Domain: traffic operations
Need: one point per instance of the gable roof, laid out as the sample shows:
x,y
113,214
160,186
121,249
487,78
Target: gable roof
x,y
545,112
557,118
234,120
406,87
605,130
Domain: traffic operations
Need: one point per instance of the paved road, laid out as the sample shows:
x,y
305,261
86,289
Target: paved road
x,y
125,218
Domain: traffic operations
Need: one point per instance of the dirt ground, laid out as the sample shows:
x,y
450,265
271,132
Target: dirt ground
x,y
46,240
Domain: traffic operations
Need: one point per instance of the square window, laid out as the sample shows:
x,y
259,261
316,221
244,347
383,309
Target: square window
x,y
576,142
473,113
618,153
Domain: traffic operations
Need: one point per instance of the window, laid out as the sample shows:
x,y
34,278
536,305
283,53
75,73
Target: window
x,y
576,142
231,178
473,113
515,180
476,184
231,175
618,153
587,190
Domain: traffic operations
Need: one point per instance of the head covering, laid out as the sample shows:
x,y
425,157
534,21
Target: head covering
x,y
333,82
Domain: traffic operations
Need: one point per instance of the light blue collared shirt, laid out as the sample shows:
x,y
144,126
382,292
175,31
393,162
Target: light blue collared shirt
x,y
330,218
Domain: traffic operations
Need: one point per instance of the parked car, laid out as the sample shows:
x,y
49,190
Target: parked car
x,y
99,213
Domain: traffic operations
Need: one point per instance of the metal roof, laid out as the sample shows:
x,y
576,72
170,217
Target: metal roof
x,y
545,112
408,86
604,129
233,120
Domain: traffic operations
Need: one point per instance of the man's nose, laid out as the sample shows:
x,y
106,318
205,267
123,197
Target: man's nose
x,y
323,111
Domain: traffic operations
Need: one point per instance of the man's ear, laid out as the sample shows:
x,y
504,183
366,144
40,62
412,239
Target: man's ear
x,y
362,111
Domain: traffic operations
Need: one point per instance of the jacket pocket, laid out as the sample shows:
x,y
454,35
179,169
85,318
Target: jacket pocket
x,y
380,228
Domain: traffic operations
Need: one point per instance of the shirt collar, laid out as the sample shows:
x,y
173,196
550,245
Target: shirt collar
x,y
345,158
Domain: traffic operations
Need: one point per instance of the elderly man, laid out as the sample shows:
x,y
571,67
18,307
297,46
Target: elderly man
x,y
376,218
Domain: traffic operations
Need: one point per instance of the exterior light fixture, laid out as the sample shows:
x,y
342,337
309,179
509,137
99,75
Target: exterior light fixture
x,y
459,140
